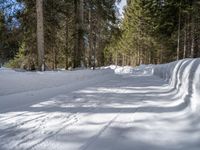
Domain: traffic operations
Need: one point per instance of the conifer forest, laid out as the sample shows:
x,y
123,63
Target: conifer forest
x,y
49,34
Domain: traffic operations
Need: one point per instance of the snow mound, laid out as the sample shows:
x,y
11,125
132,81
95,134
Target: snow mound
x,y
119,69
140,70
12,81
3,69
143,70
184,77
123,70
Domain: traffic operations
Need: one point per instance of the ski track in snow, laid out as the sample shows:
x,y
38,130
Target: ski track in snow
x,y
133,109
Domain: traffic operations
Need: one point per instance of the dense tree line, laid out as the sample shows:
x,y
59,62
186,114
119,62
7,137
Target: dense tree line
x,y
156,31
9,34
49,34
55,34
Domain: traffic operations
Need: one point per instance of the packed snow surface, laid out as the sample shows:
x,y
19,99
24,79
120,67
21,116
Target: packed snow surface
x,y
150,107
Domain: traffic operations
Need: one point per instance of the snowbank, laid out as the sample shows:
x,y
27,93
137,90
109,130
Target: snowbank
x,y
140,70
143,70
12,82
119,69
184,77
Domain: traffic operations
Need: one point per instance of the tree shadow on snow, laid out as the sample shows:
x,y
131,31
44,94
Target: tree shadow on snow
x,y
138,94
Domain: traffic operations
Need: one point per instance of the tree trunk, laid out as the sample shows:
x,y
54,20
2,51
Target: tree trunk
x,y
123,59
94,51
55,59
149,59
67,42
79,33
40,34
192,38
178,40
90,38
185,39
76,40
116,57
138,55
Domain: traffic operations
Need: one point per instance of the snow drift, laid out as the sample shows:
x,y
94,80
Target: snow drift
x,y
140,70
18,81
184,77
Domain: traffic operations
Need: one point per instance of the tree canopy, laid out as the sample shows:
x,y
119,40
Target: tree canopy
x,y
89,33
157,31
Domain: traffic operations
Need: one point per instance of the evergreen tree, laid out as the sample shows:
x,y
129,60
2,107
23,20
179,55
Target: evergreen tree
x,y
157,32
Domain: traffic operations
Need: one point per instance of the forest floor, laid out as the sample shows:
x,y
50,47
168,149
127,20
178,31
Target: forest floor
x,y
93,110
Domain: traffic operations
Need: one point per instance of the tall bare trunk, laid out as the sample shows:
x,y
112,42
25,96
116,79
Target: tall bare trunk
x,y
192,38
90,38
79,33
161,54
139,59
76,42
67,41
116,57
178,40
123,59
185,39
40,34
94,51
54,59
149,59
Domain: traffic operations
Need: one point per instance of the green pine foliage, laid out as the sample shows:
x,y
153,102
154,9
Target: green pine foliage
x,y
88,33
150,32
71,39
22,60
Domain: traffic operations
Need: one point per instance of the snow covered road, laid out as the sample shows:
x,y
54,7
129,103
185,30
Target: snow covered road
x,y
95,110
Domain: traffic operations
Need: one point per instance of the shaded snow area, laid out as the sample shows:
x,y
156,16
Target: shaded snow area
x,y
154,107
